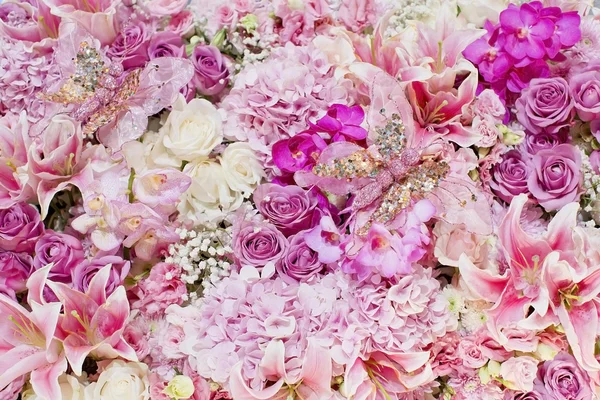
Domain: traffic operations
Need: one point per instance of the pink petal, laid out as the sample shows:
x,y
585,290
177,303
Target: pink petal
x,y
44,380
580,325
481,282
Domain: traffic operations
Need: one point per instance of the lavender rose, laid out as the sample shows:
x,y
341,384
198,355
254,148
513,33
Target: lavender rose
x,y
15,268
290,208
131,46
545,104
510,176
300,262
562,379
166,44
65,251
533,395
545,140
556,177
83,273
20,226
586,93
256,244
211,73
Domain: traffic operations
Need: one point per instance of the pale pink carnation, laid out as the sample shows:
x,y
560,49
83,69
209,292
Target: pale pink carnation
x,y
162,288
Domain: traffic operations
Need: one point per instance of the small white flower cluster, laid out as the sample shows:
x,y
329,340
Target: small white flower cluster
x,y
469,315
255,41
591,187
203,256
407,11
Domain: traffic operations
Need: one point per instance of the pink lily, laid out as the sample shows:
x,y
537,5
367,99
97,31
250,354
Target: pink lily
x,y
92,323
544,274
28,343
312,381
385,374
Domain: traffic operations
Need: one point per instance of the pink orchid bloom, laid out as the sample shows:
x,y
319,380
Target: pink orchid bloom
x,y
325,239
28,343
161,188
311,381
544,274
93,323
386,374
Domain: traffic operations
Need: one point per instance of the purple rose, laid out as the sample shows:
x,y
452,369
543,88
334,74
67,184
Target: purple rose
x,y
300,262
131,46
166,44
65,251
510,176
556,177
20,226
290,208
533,395
545,140
83,273
562,379
211,72
585,87
546,104
256,244
15,268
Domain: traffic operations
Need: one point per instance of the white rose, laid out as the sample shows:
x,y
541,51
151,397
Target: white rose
x,y
191,131
70,389
209,197
121,380
478,11
242,169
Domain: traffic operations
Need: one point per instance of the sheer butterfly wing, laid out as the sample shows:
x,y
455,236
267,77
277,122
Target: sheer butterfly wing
x,y
146,93
330,182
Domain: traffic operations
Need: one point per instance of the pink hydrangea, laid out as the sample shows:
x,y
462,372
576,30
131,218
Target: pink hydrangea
x,y
276,99
23,75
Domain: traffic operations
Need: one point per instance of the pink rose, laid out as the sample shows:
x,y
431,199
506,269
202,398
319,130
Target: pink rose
x,y
131,45
563,379
211,72
532,395
64,251
454,240
471,354
519,372
181,24
290,208
510,176
556,177
256,244
57,150
546,104
586,93
490,348
17,21
300,262
163,8
15,268
20,227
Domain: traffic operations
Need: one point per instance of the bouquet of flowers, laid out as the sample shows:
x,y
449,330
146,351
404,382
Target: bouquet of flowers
x,y
299,199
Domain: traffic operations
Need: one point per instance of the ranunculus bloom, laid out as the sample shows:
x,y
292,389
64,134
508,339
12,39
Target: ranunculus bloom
x,y
211,72
300,262
20,226
546,104
165,44
131,45
65,251
83,273
511,175
519,372
586,93
256,244
562,379
15,268
556,177
290,208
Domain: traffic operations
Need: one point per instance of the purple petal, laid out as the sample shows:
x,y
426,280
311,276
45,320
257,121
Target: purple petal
x,y
515,47
535,48
568,29
329,124
477,50
354,132
528,15
543,29
510,20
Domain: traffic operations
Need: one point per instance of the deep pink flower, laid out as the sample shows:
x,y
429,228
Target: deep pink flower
x,y
546,104
131,45
15,268
166,44
489,55
526,30
544,140
342,123
510,176
297,153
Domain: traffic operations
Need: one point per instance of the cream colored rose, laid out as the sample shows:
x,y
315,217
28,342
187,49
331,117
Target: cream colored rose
x,y
120,380
180,387
70,389
242,169
476,12
209,197
192,130
453,240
